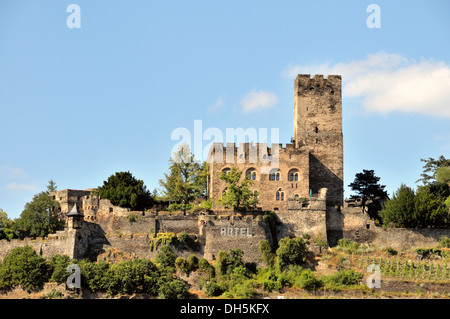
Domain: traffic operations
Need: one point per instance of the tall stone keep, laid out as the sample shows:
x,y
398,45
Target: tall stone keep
x,y
318,127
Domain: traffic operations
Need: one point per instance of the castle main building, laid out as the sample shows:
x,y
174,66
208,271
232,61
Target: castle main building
x,y
312,161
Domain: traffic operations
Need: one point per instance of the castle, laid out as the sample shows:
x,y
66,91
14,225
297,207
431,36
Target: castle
x,y
312,161
301,182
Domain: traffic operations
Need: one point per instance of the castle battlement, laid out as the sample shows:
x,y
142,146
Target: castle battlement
x,y
318,81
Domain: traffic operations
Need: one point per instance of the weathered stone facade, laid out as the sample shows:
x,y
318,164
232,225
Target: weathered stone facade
x,y
314,159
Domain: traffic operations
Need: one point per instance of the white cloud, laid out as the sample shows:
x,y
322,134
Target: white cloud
x,y
218,104
390,82
258,100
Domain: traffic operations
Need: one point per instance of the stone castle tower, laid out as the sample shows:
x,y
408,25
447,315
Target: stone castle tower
x,y
311,162
318,127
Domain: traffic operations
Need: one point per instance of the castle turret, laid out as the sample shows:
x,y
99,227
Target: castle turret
x,y
74,218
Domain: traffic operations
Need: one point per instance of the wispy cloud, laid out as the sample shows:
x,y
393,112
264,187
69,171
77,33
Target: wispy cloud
x,y
390,82
255,101
218,104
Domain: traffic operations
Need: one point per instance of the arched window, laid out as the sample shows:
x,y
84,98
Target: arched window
x,y
251,174
293,175
255,193
226,170
274,175
279,195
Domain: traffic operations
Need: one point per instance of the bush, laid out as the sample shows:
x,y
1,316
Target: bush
x,y
213,289
244,290
182,265
22,267
267,254
58,268
180,207
166,257
348,245
308,281
343,278
173,289
444,241
291,251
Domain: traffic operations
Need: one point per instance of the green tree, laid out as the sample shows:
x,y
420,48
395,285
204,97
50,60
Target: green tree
x,y
40,216
291,251
166,257
400,209
186,179
443,175
430,209
431,168
6,226
367,187
22,267
124,190
238,194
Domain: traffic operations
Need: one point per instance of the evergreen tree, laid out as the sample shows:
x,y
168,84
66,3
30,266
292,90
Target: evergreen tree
x,y
124,190
399,210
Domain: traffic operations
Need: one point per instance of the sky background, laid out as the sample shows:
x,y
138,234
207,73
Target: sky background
x,y
79,104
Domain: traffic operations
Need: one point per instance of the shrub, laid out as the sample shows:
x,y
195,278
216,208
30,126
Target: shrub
x,y
267,254
391,251
173,289
182,265
244,290
192,261
291,251
23,267
213,289
348,245
58,268
444,241
166,257
308,281
343,278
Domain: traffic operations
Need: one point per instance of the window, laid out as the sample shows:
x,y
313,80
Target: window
x,y
279,195
255,193
251,174
274,176
293,175
226,170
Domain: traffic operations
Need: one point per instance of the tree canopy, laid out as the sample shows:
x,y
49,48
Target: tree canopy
x,y
237,194
366,185
124,190
40,216
186,179
423,208
431,167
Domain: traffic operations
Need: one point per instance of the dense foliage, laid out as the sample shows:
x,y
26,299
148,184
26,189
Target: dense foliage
x,y
238,195
124,190
425,207
186,179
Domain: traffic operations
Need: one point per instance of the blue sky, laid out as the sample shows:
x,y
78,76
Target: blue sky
x,y
79,104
